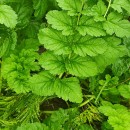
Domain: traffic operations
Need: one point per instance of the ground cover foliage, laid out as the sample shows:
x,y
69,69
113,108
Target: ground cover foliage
x,y
64,64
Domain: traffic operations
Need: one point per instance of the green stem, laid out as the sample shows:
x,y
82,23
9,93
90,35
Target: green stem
x,y
47,112
100,91
87,101
107,8
60,75
79,15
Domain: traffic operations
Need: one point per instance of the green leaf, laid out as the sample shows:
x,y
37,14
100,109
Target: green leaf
x,y
16,70
45,84
24,10
8,16
4,46
88,45
61,21
119,4
113,52
72,6
115,24
121,66
120,123
81,66
54,40
87,25
16,77
57,119
30,43
53,63
69,89
33,126
7,42
42,84
40,7
97,11
116,119
31,30
82,46
107,110
124,90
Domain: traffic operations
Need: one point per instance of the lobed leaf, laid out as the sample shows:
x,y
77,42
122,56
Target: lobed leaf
x,y
72,6
45,84
69,89
119,5
54,40
115,24
81,66
61,44
98,11
87,25
42,84
124,90
54,63
61,21
8,16
88,45
40,7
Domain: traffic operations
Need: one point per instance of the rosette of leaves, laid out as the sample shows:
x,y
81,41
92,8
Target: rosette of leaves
x,y
81,40
16,69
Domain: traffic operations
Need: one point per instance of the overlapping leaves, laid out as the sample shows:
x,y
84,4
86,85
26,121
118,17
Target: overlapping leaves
x,y
75,65
45,84
61,44
16,70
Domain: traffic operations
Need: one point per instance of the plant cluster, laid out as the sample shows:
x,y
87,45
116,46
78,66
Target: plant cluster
x,y
75,52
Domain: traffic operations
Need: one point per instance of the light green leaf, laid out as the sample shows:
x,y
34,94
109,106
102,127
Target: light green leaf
x,y
69,89
88,45
42,84
97,11
81,66
115,24
33,126
16,77
116,119
16,69
82,46
72,6
45,84
53,63
113,52
107,110
61,21
87,25
40,7
55,41
120,122
8,16
119,4
124,90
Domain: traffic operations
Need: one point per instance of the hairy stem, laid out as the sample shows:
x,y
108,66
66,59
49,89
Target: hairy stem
x,y
79,15
87,101
100,91
108,8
